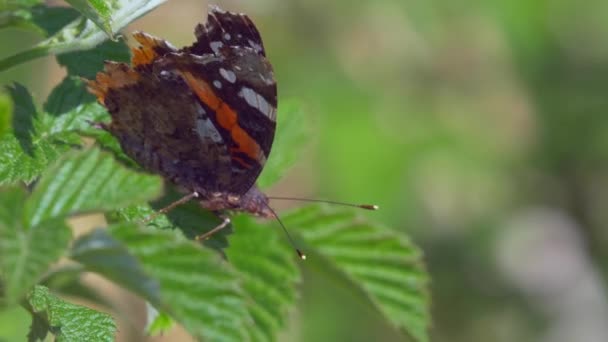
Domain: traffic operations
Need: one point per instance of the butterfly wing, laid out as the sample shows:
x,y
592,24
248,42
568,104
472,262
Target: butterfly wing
x,y
241,104
202,119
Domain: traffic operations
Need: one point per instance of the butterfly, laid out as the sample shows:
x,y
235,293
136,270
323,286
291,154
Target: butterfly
x,y
203,116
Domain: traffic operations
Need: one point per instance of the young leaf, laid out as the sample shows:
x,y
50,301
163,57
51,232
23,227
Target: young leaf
x,y
269,275
67,321
291,136
38,139
380,262
86,181
197,288
97,11
158,322
26,252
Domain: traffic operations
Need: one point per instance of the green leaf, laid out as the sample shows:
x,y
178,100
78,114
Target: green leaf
x,y
52,19
67,321
24,116
380,262
14,322
26,252
6,110
43,20
97,11
38,139
106,141
88,62
158,322
87,181
18,14
291,136
66,280
189,218
101,253
72,108
197,288
83,34
269,274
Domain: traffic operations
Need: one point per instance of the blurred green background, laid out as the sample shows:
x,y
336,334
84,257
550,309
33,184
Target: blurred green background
x,y
479,127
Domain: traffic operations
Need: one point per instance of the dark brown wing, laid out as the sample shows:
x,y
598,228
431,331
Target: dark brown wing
x,y
162,126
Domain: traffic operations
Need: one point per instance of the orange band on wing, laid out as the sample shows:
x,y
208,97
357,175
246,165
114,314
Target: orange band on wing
x,y
226,117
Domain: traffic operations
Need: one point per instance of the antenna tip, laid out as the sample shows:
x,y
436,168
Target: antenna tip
x,y
369,206
301,255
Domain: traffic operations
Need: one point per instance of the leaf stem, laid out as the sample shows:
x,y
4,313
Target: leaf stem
x,y
23,56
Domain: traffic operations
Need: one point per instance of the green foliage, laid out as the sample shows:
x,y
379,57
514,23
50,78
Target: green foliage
x,y
26,251
68,322
382,264
158,322
268,275
39,138
81,33
236,286
5,107
97,11
198,289
87,181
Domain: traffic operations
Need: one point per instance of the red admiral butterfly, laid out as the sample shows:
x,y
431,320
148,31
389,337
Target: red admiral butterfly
x,y
203,116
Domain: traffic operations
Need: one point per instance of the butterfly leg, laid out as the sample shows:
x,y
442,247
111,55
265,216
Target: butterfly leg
x,y
172,206
225,222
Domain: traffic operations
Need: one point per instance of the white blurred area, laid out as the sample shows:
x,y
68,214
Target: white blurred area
x,y
543,255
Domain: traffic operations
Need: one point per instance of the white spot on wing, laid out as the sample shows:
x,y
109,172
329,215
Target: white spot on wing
x,y
201,111
258,102
215,46
228,75
206,131
227,36
268,81
169,45
257,47
217,84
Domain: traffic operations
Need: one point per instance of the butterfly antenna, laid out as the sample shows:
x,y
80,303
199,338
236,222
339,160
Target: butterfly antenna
x,y
362,206
293,244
